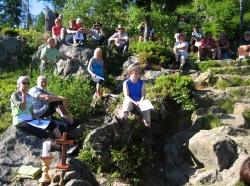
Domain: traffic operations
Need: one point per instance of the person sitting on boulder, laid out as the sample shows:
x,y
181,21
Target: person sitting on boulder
x,y
45,104
96,70
22,112
57,30
223,47
97,34
134,91
81,35
50,55
195,39
121,39
244,49
71,30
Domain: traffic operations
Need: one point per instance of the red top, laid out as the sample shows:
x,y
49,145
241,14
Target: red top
x,y
56,30
208,42
78,26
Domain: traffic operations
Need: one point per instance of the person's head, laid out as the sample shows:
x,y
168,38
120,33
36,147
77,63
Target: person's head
x,y
98,53
134,71
181,37
196,29
209,35
79,21
42,81
119,28
51,42
23,83
179,30
58,21
245,171
247,35
72,23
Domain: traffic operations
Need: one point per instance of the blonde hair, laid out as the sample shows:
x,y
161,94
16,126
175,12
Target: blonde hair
x,y
96,51
40,78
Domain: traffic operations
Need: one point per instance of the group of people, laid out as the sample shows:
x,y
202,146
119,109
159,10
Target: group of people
x,y
207,47
33,109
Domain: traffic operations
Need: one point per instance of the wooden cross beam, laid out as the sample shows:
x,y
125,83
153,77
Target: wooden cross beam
x,y
63,142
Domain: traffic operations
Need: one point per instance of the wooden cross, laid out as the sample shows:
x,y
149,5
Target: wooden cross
x,y
63,142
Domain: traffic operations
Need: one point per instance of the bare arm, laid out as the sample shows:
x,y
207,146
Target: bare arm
x,y
89,68
143,91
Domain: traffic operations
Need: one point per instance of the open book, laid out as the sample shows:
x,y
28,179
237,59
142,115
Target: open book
x,y
145,105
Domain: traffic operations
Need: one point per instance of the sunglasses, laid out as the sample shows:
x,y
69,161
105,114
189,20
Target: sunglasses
x,y
26,83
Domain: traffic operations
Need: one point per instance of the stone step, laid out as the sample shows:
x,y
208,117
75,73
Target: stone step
x,y
233,70
231,76
236,120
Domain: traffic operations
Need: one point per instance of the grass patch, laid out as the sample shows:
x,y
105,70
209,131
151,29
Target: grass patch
x,y
204,66
227,105
234,82
212,121
232,70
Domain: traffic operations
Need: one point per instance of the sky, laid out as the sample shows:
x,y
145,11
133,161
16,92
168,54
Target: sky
x,y
36,7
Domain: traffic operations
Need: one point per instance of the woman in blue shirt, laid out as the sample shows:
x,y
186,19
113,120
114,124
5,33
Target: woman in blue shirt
x,y
134,92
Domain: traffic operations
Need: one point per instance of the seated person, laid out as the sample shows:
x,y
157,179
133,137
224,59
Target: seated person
x,y
223,47
95,68
244,49
57,30
97,34
151,33
195,39
180,50
45,104
50,55
81,35
208,47
22,111
176,35
121,39
134,91
245,172
71,30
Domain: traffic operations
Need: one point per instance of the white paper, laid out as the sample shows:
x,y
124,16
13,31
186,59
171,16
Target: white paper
x,y
42,124
145,105
99,77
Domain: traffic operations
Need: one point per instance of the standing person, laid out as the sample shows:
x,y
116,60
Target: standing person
x,y
97,34
134,91
121,39
96,69
180,49
50,55
22,111
46,104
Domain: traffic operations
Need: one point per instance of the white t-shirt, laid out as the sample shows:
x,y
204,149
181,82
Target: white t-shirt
x,y
182,52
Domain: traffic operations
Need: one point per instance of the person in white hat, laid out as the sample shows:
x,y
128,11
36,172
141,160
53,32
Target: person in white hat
x,y
121,39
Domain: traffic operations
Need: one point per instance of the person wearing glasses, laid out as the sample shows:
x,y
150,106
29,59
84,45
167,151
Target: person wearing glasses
x,y
22,112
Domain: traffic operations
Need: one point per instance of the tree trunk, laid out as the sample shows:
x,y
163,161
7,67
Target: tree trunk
x,y
147,20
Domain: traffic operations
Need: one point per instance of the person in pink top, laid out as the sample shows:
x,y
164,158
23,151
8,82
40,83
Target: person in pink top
x,y
57,30
208,47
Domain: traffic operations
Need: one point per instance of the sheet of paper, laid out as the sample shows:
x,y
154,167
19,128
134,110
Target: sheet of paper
x,y
99,77
42,124
145,105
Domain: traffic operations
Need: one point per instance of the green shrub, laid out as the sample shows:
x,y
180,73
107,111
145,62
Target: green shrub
x,y
152,52
89,157
176,87
227,105
9,32
205,65
212,121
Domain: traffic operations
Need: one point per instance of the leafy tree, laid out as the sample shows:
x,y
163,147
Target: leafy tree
x,y
10,12
58,4
40,22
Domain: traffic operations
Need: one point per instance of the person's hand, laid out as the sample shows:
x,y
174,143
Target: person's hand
x,y
47,98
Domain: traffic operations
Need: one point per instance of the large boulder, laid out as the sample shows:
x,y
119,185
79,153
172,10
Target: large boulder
x,y
10,49
213,148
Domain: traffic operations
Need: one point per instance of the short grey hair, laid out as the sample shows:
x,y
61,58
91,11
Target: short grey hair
x,y
21,79
40,78
134,67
